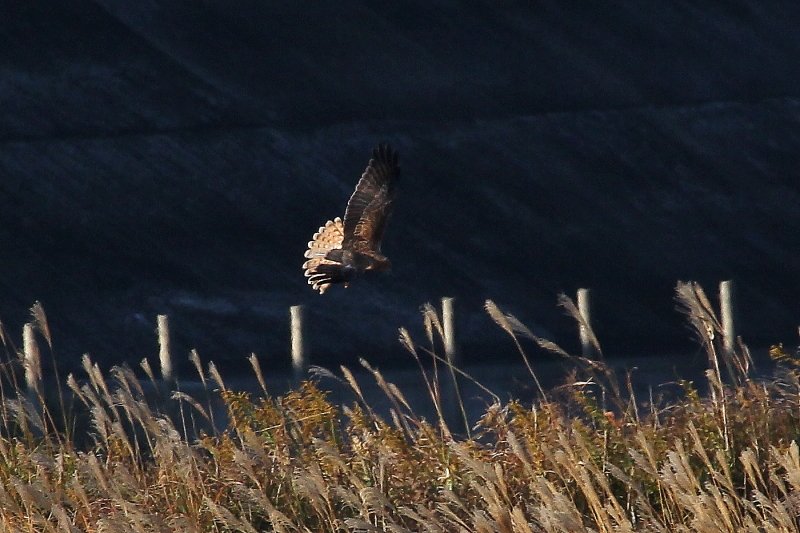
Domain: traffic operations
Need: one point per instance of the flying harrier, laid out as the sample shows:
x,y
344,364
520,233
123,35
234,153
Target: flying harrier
x,y
340,251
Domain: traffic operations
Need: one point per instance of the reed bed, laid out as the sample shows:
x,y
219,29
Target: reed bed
x,y
105,455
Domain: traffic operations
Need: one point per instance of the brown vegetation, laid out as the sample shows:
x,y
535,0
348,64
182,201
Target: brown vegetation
x,y
583,457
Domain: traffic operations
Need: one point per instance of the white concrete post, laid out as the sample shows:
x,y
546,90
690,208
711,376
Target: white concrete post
x,y
299,356
727,312
164,349
448,324
584,308
32,359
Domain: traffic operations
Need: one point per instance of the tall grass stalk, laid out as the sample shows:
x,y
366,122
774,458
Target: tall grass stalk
x,y
144,461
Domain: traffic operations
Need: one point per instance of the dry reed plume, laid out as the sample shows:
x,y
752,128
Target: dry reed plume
x,y
581,458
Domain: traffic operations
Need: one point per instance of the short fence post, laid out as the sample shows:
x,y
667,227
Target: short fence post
x,y
456,413
299,356
164,349
32,361
727,315
32,364
584,308
448,319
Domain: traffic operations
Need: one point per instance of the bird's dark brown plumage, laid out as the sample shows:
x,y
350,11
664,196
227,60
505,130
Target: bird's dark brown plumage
x,y
341,250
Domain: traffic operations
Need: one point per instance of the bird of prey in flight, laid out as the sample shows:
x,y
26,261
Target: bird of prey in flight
x,y
342,250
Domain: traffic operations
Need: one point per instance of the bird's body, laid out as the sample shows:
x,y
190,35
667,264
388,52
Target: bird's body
x,y
344,249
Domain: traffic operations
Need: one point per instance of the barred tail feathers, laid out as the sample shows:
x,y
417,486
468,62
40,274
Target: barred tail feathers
x,y
329,237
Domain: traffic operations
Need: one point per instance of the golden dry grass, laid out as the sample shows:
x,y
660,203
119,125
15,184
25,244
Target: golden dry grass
x,y
572,461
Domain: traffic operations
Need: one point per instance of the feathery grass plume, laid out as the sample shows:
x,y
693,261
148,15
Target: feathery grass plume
x,y
499,317
257,370
431,322
430,382
321,373
692,301
743,359
104,395
72,383
182,412
27,416
501,320
145,365
35,500
4,336
312,486
216,376
609,376
407,342
125,377
394,399
353,383
64,522
194,357
300,463
32,363
125,398
694,304
40,320
42,324
99,380
182,396
31,359
572,310
227,519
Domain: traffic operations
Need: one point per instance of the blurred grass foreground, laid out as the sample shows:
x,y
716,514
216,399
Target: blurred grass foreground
x,y
113,453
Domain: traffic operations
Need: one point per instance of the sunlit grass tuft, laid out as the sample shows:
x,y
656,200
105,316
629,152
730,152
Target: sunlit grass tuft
x,y
585,456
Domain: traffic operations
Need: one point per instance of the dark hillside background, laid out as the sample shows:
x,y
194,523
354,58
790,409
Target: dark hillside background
x,y
175,157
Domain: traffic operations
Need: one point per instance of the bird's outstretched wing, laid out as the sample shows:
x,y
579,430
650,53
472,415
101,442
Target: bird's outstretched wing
x,y
342,249
371,204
